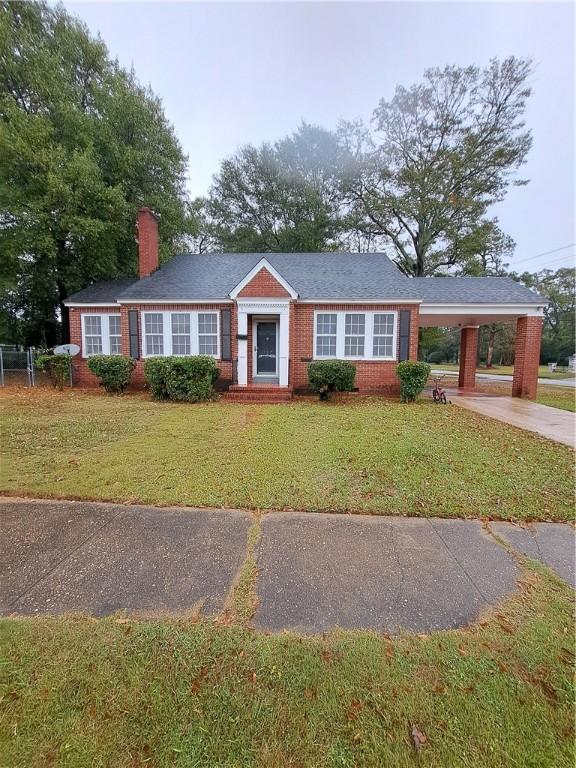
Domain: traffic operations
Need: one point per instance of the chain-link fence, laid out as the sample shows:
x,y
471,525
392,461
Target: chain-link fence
x,y
18,368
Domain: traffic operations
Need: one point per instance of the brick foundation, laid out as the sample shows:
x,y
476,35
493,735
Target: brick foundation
x,y
527,357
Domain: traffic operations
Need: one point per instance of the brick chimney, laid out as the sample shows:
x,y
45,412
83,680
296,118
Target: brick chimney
x,y
147,227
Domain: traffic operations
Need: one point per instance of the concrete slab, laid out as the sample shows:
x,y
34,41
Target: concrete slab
x,y
551,543
553,423
142,560
317,572
37,535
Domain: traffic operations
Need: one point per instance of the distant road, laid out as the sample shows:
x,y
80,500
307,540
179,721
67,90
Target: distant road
x,y
506,377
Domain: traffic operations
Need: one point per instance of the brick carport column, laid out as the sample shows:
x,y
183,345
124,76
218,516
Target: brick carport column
x,y
468,357
527,356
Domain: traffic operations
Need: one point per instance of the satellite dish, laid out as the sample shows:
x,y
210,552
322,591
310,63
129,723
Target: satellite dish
x,y
67,349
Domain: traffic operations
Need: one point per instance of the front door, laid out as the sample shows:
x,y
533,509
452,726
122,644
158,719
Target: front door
x,y
266,355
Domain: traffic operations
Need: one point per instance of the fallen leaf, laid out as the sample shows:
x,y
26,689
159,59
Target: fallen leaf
x,y
418,738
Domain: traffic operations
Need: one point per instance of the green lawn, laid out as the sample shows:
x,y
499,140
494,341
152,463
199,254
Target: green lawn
x,y
508,370
81,692
369,456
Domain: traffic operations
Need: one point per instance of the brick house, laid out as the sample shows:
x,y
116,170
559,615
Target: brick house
x,y
264,317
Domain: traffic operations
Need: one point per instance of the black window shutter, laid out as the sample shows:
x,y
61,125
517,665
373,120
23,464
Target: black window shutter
x,y
226,334
404,334
133,333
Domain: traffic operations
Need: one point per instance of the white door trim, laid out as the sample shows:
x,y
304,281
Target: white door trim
x,y
264,319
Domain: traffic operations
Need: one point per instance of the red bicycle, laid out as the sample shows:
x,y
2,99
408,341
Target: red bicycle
x,y
438,393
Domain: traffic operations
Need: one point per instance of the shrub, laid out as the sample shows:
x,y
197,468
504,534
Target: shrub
x,y
114,371
56,366
327,376
181,378
413,377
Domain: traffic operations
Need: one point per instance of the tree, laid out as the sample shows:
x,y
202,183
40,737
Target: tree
x,y
441,153
279,197
559,330
82,145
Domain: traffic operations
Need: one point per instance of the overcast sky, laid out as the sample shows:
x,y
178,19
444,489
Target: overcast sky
x,y
233,73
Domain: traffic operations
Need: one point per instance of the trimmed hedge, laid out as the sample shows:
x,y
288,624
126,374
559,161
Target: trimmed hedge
x,y
327,376
56,366
114,371
189,379
413,376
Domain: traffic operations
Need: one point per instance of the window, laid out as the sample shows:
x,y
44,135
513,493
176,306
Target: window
x,y
356,335
154,333
354,330
115,335
383,336
207,333
181,334
326,326
93,335
101,335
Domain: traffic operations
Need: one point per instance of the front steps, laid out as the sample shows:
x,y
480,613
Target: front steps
x,y
258,393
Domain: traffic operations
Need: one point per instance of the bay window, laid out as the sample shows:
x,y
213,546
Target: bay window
x,y
355,335
101,335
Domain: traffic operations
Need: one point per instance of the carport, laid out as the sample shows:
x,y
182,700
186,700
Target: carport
x,y
469,302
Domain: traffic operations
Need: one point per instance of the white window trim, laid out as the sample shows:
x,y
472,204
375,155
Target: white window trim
x,y
105,329
368,335
167,331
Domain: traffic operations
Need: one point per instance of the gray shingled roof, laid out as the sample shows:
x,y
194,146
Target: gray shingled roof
x,y
474,290
100,293
312,275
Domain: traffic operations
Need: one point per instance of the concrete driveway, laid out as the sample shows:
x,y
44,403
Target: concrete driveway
x,y
316,571
553,423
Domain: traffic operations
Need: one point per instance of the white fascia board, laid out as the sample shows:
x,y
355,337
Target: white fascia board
x,y
175,301
263,264
360,301
533,310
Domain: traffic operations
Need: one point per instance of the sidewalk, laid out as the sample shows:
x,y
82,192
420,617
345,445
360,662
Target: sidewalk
x,y
315,571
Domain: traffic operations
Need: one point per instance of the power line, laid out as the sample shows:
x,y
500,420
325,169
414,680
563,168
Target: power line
x,y
546,253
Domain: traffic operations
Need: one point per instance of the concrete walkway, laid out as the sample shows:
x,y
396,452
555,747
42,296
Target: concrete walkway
x,y
316,571
553,423
506,377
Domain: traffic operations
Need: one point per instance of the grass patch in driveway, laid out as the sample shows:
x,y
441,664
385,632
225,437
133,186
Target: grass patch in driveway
x,y
371,456
80,692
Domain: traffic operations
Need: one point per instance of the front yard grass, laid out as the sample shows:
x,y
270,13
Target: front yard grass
x,y
368,456
115,692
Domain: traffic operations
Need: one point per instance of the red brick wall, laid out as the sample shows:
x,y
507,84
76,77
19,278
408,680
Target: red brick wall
x,y
263,285
147,242
83,377
468,357
527,357
371,375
